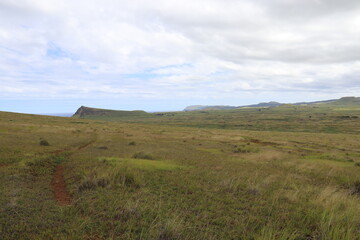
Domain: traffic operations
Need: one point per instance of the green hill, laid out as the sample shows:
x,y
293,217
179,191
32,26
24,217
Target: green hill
x,y
331,116
97,113
206,107
346,101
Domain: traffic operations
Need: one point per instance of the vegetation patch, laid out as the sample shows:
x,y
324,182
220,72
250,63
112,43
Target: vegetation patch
x,y
44,143
329,159
143,164
246,149
171,229
143,155
308,190
329,162
288,147
210,150
79,122
115,179
103,148
356,188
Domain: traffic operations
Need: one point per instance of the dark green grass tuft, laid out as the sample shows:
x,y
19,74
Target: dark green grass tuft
x,y
143,155
44,143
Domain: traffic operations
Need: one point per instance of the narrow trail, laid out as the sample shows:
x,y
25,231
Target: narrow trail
x,y
86,145
61,194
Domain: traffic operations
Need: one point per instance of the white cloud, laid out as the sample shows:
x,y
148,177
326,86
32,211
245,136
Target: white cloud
x,y
169,49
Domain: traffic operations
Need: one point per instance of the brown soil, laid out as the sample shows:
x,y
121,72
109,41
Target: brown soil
x,y
3,165
61,194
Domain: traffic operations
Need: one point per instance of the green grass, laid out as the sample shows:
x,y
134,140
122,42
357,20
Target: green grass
x,y
331,162
210,150
143,163
233,174
285,118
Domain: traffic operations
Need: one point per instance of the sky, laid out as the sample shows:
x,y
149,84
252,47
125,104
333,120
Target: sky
x,y
163,55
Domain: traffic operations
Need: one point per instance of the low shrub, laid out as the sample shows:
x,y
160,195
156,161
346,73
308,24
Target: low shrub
x,y
44,143
132,143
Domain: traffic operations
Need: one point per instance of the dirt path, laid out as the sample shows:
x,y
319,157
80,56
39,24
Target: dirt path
x,y
86,145
61,193
3,165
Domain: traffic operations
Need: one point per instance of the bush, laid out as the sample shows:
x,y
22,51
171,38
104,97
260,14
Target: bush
x,y
357,164
132,143
44,143
142,155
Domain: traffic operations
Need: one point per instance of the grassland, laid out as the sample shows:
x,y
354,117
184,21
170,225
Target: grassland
x,y
315,118
281,173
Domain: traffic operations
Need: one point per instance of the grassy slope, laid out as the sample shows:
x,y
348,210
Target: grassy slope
x,y
329,118
202,182
97,113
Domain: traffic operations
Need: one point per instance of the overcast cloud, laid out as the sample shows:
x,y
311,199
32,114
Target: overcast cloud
x,y
204,51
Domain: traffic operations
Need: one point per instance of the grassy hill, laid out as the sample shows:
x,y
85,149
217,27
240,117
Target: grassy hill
x,y
206,107
345,101
251,173
334,116
96,113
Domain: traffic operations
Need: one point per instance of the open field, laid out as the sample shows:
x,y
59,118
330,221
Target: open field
x,y
322,118
281,173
